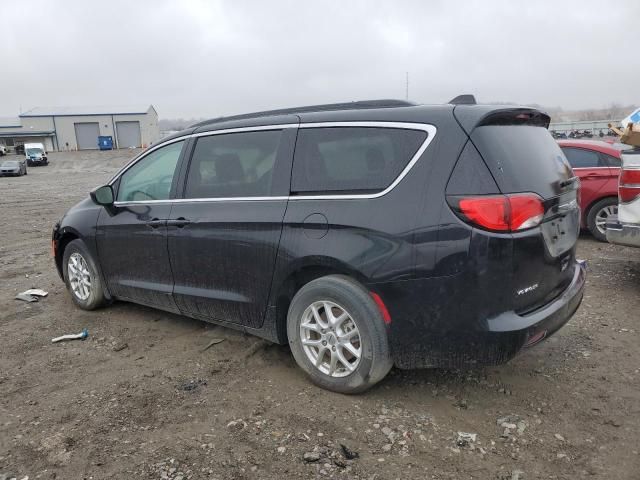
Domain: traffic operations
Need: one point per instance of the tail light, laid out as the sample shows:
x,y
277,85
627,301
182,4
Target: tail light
x,y
629,188
501,213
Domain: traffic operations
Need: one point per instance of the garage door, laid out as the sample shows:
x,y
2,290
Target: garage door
x,y
87,135
128,134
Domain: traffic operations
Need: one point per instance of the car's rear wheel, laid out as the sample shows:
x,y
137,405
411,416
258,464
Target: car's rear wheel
x,y
81,276
337,335
598,215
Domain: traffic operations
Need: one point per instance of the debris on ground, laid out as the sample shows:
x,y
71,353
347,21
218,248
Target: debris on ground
x,y
191,385
311,457
31,295
37,292
26,298
120,346
464,439
213,342
348,453
72,336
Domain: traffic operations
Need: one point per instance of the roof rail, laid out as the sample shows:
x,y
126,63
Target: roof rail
x,y
358,105
465,99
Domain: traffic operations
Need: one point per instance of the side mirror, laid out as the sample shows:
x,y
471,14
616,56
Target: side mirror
x,y
103,195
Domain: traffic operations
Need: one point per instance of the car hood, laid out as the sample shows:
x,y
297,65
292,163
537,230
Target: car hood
x,y
10,164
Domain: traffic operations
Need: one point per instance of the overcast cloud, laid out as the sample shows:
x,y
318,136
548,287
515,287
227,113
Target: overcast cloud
x,y
210,58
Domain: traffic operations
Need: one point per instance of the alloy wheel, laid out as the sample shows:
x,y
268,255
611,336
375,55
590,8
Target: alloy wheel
x,y
602,216
330,338
79,276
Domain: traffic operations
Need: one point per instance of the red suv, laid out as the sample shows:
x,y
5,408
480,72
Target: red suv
x,y
598,166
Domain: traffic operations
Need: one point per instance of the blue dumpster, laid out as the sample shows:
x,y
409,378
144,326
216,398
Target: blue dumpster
x,y
105,143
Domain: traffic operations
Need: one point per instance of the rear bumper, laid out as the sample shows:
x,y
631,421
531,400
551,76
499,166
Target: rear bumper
x,y
503,337
623,233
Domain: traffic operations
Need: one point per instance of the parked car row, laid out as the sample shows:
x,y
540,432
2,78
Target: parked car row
x,y
34,154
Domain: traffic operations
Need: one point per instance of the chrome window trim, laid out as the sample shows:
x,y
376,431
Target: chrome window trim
x,y
591,168
425,127
431,131
140,156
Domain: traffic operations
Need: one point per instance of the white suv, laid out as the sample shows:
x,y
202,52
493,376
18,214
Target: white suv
x,y
3,150
624,229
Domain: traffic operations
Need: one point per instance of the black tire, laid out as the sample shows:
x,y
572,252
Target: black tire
x,y
375,358
96,296
592,216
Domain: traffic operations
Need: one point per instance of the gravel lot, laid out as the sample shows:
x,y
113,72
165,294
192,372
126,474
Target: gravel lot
x,y
141,399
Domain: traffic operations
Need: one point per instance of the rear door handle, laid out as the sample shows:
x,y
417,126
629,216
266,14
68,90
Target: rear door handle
x,y
156,222
178,222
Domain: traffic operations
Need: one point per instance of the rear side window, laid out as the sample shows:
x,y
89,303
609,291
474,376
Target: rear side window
x,y
583,158
351,159
233,165
612,161
523,158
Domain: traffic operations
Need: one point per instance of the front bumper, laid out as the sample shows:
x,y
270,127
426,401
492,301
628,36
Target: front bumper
x,y
37,161
15,171
623,233
505,335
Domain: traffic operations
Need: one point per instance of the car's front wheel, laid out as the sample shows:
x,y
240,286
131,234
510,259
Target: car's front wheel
x,y
337,335
81,276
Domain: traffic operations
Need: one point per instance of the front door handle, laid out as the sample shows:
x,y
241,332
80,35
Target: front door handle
x,y
178,222
156,222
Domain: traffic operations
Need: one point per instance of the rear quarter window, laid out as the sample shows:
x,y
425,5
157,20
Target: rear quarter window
x,y
351,159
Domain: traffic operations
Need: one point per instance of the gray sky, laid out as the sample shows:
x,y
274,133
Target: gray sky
x,y
210,58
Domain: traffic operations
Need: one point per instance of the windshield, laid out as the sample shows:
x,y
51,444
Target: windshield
x,y
34,151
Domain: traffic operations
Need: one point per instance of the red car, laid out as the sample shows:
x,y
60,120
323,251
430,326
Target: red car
x,y
597,164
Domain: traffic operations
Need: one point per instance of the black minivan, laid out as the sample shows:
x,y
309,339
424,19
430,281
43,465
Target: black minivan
x,y
364,235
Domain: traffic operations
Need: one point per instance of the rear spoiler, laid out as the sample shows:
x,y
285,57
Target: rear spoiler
x,y
472,116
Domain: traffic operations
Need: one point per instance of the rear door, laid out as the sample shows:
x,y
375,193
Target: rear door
x,y
225,230
525,158
594,172
132,236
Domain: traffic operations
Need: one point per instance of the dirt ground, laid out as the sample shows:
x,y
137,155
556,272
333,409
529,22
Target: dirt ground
x,y
140,398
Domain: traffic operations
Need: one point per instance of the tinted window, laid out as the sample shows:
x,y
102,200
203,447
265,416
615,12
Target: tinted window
x,y
582,158
233,165
523,158
347,159
151,177
612,161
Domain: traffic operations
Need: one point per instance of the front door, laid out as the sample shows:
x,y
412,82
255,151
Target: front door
x,y
225,231
132,236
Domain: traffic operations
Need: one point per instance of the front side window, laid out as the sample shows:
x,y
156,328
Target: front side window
x,y
582,158
233,165
151,177
351,159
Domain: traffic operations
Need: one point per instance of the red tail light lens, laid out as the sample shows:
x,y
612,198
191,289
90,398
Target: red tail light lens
x,y
629,188
503,213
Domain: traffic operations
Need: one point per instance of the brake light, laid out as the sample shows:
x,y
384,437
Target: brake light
x,y
629,188
502,213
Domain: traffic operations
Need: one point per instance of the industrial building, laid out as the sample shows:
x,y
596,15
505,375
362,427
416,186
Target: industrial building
x,y
78,128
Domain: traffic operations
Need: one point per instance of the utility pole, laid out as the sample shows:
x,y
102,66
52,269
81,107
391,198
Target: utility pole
x,y
407,87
